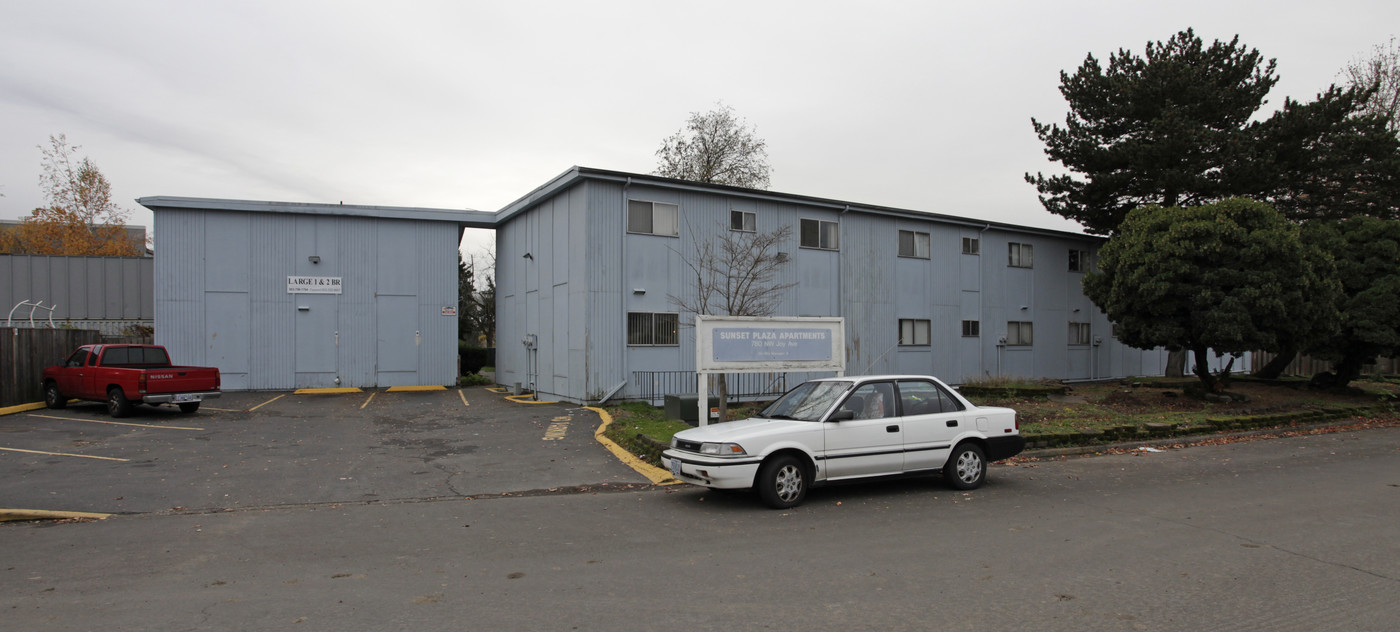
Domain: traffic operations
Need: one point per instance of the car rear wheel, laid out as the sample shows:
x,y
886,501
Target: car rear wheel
x,y
966,467
53,398
117,403
783,482
189,407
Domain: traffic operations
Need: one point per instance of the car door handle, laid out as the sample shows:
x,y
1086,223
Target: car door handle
x,y
891,428
952,423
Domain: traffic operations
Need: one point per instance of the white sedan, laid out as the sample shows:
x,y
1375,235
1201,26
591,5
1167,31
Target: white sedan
x,y
844,428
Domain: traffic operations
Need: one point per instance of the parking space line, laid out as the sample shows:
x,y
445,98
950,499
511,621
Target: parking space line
x,y
114,423
81,456
368,400
462,394
267,402
44,514
415,389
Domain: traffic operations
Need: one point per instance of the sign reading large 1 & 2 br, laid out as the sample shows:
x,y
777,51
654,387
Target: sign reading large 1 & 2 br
x,y
313,285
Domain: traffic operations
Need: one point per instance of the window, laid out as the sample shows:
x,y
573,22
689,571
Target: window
x,y
913,332
1019,255
820,234
972,245
925,398
1079,333
1078,260
1019,334
653,329
913,244
652,218
972,328
745,221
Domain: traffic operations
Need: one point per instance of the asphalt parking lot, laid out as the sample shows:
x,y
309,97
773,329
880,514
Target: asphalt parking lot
x,y
261,449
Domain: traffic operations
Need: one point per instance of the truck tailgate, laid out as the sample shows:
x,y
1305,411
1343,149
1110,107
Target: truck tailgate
x,y
181,379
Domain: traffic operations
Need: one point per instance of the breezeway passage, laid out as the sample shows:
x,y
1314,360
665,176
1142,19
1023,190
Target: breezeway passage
x,y
261,449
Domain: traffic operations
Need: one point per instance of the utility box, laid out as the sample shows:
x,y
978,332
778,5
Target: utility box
x,y
683,408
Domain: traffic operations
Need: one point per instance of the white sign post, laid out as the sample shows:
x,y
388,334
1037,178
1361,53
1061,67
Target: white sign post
x,y
750,344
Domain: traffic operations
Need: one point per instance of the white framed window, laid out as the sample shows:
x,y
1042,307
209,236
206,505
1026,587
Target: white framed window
x,y
971,328
913,332
821,234
914,244
743,221
972,246
1078,260
1079,333
653,329
1020,333
652,218
1019,255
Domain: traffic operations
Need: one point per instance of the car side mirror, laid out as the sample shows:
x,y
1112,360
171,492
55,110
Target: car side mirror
x,y
842,415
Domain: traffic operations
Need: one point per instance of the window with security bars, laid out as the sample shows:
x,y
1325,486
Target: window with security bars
x,y
1019,255
653,329
1019,334
820,234
913,244
652,218
913,332
1079,333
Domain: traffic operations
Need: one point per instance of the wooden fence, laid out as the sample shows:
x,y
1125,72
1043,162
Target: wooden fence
x,y
25,352
1305,366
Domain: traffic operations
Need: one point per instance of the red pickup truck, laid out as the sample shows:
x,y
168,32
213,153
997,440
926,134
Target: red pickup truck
x,y
126,375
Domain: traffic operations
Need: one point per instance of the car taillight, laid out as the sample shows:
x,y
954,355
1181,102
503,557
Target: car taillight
x,y
141,383
219,381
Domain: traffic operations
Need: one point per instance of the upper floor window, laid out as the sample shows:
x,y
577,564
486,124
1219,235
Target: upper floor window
x,y
1078,260
972,246
653,329
913,244
652,218
1019,255
914,332
743,221
821,234
972,328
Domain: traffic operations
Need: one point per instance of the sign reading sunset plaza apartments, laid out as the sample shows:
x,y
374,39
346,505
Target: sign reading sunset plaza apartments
x,y
313,285
735,343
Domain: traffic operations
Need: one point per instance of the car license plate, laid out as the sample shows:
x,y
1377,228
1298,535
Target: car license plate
x,y
188,397
676,467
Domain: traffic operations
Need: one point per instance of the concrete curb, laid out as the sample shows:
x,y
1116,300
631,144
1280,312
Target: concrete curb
x,y
41,514
22,408
1170,441
656,475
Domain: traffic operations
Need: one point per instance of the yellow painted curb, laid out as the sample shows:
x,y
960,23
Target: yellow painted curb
x,y
414,389
524,399
22,408
41,514
656,475
326,391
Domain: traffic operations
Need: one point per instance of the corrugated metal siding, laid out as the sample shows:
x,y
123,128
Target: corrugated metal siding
x,y
82,288
272,343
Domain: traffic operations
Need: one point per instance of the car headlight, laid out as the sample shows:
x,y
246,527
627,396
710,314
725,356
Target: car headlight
x,y
722,449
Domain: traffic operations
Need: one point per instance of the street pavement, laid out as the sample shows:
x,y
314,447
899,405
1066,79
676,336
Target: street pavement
x,y
447,511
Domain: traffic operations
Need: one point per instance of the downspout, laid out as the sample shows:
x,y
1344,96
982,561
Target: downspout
x,y
840,274
622,282
982,303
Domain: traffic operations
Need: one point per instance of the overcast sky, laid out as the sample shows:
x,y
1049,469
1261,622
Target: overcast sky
x,y
916,105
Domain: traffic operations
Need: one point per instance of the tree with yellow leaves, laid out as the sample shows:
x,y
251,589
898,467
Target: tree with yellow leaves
x,y
80,218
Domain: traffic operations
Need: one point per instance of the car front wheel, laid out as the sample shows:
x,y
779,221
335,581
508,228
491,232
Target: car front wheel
x,y
966,467
783,482
53,398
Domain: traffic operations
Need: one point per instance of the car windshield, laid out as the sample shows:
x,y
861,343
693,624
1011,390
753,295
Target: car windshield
x,y
807,402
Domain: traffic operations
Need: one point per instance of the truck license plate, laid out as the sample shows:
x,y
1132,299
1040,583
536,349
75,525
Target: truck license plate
x,y
190,397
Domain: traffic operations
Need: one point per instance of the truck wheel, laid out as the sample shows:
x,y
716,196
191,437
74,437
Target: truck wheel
x,y
52,398
189,407
782,482
966,467
117,403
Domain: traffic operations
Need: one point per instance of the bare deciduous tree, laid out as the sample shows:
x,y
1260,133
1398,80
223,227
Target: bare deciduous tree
x,y
715,147
736,273
1382,70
